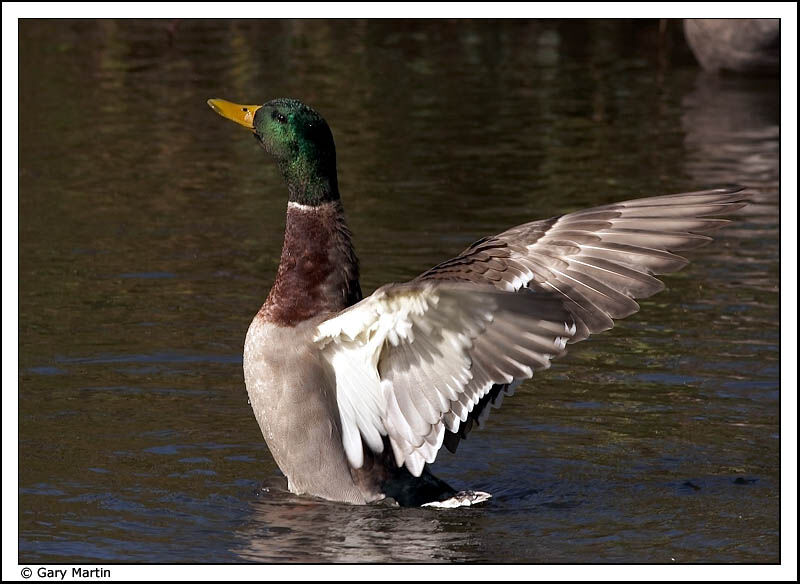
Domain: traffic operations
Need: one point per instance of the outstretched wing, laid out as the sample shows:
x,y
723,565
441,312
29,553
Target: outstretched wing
x,y
418,362
597,259
412,360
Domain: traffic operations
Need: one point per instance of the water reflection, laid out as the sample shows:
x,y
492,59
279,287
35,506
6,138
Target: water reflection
x,y
732,134
286,528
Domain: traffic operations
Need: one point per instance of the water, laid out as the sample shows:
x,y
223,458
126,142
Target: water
x,y
150,230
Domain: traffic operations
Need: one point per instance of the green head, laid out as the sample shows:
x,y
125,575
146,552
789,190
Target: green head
x,y
298,138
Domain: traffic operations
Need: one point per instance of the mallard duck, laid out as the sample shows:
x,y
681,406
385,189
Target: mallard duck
x,y
742,45
355,396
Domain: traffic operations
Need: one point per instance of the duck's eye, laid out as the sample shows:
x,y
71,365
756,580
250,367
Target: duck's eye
x,y
276,115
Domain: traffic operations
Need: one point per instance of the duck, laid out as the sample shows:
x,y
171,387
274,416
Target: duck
x,y
737,45
355,396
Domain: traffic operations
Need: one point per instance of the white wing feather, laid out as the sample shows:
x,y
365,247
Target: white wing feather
x,y
404,356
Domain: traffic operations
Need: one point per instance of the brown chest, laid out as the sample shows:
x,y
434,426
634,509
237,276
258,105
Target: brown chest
x,y
318,272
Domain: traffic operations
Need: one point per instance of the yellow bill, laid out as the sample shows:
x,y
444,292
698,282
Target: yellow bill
x,y
241,114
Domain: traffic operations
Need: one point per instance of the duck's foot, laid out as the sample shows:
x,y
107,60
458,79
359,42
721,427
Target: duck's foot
x,y
460,499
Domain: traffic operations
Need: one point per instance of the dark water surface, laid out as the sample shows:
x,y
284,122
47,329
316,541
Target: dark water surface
x,y
150,230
